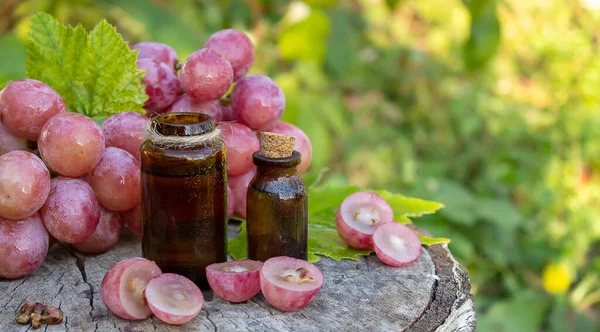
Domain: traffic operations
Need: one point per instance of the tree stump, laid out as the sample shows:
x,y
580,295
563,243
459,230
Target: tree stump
x,y
432,294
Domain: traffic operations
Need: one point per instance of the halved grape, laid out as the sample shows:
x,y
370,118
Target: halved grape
x,y
157,51
236,281
24,184
126,131
302,143
174,299
396,244
122,288
71,212
132,219
105,236
186,103
206,75
241,144
236,47
230,203
162,85
71,144
23,244
239,189
257,102
116,180
290,284
26,105
359,215
10,142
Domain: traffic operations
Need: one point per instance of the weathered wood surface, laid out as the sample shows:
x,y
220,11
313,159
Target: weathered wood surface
x,y
430,295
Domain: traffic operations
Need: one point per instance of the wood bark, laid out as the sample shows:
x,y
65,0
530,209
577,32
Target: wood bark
x,y
433,294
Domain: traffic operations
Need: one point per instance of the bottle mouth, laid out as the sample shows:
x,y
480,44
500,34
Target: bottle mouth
x,y
291,161
184,124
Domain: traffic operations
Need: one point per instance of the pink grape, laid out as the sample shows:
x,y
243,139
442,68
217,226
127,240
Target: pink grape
x,y
122,288
227,113
132,219
174,299
230,203
257,102
10,142
186,103
396,244
23,244
290,284
24,184
236,281
302,143
125,131
236,47
206,75
71,144
105,236
241,144
359,215
71,212
239,189
162,85
26,105
157,51
116,180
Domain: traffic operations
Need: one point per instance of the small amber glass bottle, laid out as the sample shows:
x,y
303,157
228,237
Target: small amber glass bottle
x,y
184,195
277,206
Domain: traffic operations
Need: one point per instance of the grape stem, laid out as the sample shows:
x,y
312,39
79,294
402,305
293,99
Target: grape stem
x,y
226,100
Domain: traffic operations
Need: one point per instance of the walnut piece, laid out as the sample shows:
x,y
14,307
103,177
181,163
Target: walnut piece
x,y
35,313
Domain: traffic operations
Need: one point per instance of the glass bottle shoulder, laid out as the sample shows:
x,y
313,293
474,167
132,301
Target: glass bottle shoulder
x,y
286,186
177,161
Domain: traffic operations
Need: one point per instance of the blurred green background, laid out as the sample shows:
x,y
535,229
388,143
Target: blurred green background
x,y
490,107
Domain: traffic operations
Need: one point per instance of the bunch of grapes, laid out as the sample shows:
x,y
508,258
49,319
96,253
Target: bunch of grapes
x,y
65,178
256,103
62,177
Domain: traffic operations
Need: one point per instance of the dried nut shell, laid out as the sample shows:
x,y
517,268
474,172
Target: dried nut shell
x,y
36,313
36,320
27,307
23,318
52,315
38,308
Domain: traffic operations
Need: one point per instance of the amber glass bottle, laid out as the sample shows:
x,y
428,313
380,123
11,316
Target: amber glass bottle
x,y
184,197
277,202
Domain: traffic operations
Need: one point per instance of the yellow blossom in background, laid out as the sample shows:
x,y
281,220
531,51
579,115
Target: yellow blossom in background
x,y
556,278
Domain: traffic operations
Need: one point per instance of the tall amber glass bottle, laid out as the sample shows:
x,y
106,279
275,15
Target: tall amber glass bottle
x,y
277,203
184,196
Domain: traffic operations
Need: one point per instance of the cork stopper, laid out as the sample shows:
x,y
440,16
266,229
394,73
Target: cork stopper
x,y
274,145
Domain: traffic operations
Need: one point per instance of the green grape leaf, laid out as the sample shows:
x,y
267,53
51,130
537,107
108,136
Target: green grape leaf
x,y
95,73
323,239
12,59
429,241
237,246
408,206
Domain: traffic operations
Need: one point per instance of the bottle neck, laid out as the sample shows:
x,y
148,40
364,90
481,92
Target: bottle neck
x,y
184,124
276,167
275,172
